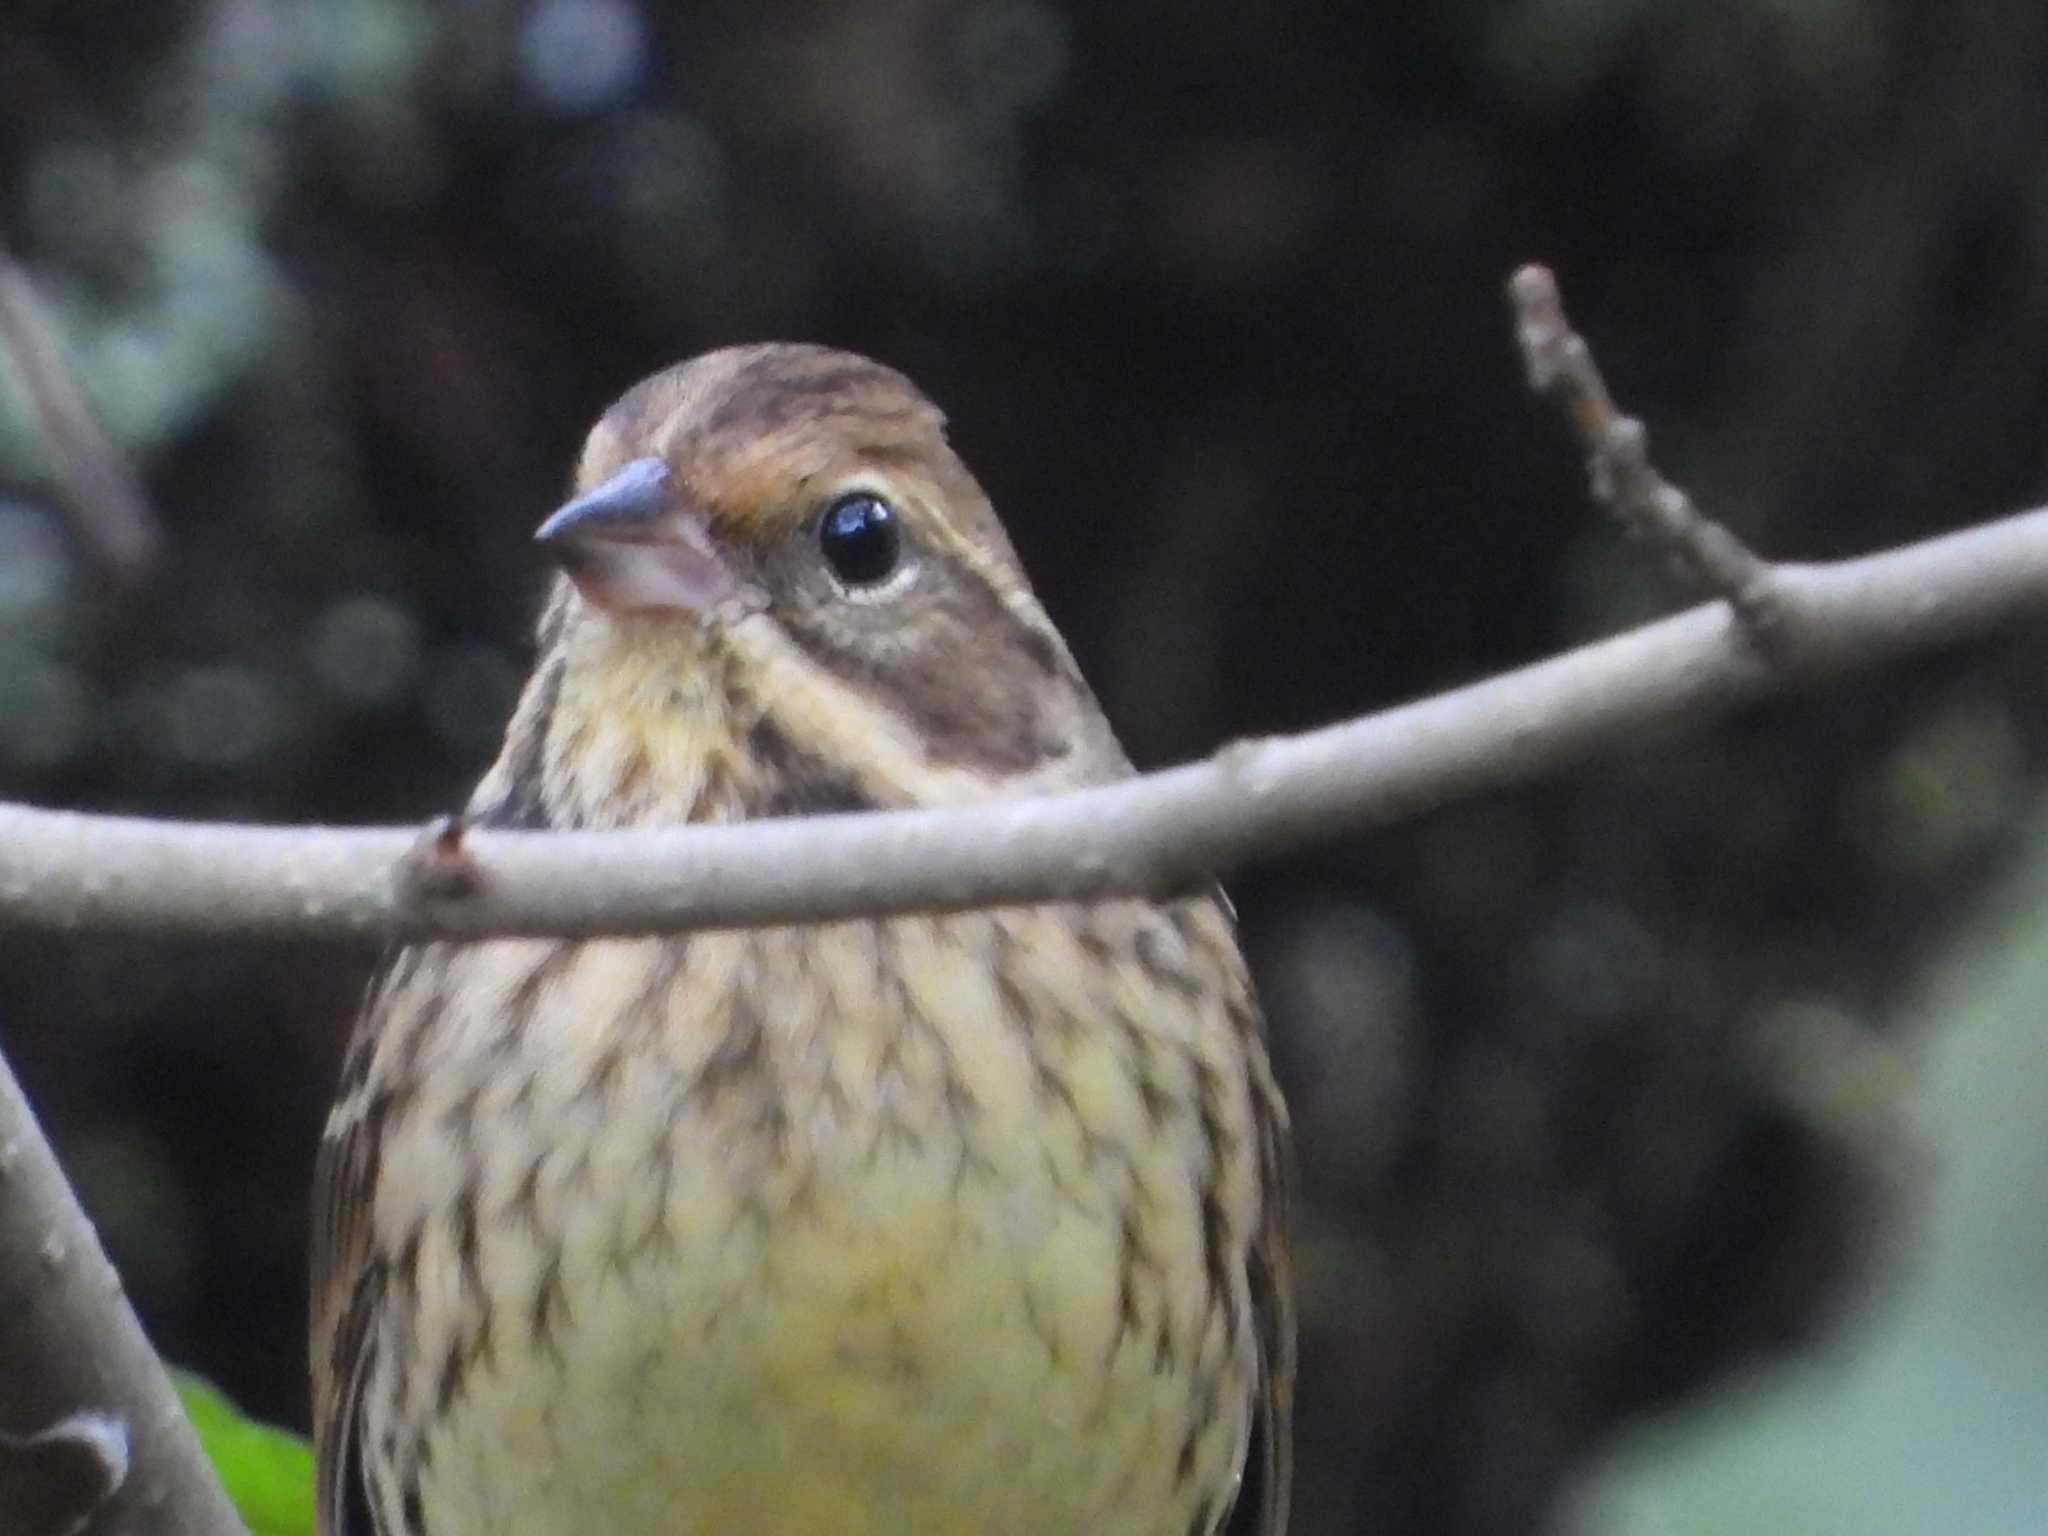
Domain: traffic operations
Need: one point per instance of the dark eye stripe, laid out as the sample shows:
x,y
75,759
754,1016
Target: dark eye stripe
x,y
972,688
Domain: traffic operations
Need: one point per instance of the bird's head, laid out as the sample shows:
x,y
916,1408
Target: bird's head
x,y
782,591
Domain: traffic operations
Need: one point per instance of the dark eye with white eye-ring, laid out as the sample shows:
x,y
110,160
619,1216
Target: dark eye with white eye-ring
x,y
861,539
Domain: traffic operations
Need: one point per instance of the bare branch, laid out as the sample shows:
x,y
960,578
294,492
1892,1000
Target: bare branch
x,y
1166,830
107,502
74,1348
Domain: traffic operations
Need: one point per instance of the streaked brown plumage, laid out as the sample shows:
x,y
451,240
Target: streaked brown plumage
x,y
967,1224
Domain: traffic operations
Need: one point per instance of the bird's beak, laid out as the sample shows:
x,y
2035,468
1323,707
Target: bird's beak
x,y
633,543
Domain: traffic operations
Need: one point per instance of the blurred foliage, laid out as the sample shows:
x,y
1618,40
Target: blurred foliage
x,y
1597,1083
1928,1412
267,1472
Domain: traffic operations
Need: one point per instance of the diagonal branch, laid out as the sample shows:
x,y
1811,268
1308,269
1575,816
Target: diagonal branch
x,y
71,1345
60,870
1164,831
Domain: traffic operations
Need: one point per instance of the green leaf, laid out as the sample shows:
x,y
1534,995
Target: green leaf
x,y
268,1471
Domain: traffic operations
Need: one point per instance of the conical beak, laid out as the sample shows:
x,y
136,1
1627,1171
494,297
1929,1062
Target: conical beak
x,y
634,498
632,543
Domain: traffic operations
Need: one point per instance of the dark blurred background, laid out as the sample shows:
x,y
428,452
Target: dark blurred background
x,y
1613,1095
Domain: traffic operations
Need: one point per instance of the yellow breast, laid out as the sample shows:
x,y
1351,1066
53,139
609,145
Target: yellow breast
x,y
918,1225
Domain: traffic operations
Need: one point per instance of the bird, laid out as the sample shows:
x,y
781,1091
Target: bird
x,y
960,1224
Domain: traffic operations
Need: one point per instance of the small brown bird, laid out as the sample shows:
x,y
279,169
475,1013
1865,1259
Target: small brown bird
x,y
966,1225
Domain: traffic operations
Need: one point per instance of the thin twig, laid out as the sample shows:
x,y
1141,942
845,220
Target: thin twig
x,y
106,500
1624,479
1163,831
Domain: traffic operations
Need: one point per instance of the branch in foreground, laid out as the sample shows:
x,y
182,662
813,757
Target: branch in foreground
x,y
72,1344
1162,831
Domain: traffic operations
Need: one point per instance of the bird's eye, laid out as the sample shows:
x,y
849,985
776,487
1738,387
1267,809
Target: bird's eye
x,y
861,540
